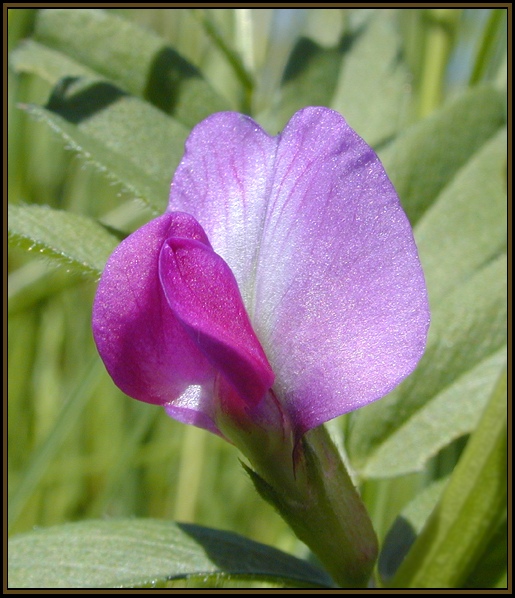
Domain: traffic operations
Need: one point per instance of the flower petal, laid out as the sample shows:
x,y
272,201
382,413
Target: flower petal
x,y
203,295
223,181
146,350
339,283
169,321
323,252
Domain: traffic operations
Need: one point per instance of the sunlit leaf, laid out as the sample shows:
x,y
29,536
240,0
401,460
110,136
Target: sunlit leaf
x,y
135,553
466,226
134,59
423,160
309,79
466,274
128,140
373,94
468,513
406,528
79,243
443,398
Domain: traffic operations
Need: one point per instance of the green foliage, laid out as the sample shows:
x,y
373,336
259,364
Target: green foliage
x,y
100,104
147,553
77,241
457,533
116,137
132,58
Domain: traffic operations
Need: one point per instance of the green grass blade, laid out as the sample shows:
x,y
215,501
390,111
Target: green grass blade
x,y
44,454
465,519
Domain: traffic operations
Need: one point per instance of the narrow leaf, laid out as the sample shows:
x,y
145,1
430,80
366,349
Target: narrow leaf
x,y
48,64
373,94
462,360
309,79
134,59
133,143
78,242
423,160
468,513
450,414
465,230
134,553
406,527
466,226
491,570
219,42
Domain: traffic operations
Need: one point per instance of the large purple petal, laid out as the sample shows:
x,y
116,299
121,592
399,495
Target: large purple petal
x,y
324,254
223,181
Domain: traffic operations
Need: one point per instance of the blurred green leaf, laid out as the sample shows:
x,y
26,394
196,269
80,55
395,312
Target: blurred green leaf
x,y
48,64
131,142
41,458
134,59
423,160
466,226
406,528
215,35
373,90
490,52
490,570
135,553
34,282
78,242
468,513
309,79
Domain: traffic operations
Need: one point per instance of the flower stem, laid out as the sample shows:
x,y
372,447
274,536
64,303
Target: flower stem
x,y
324,509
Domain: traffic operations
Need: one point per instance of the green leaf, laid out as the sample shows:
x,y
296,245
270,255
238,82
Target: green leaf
x,y
131,142
406,527
468,514
42,457
489,54
218,40
491,570
139,552
309,79
78,242
373,95
134,59
466,227
48,64
424,159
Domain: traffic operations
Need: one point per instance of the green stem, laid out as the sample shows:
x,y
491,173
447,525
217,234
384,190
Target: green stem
x,y
232,57
306,481
324,509
438,45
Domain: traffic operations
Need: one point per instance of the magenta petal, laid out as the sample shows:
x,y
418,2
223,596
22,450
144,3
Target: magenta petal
x,y
203,295
145,349
324,255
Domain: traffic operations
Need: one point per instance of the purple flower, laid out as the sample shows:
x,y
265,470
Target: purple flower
x,y
282,284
